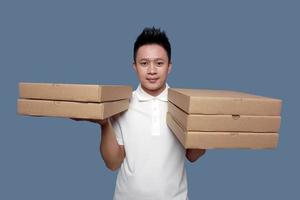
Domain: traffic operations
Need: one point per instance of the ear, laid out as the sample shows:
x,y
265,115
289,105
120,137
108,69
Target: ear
x,y
134,66
170,68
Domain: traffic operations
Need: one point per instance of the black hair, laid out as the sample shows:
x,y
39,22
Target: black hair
x,y
152,36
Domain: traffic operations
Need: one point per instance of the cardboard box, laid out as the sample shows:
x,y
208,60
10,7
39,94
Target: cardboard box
x,y
241,123
195,101
71,109
74,92
223,140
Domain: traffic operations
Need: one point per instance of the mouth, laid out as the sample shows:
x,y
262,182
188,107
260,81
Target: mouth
x,y
152,80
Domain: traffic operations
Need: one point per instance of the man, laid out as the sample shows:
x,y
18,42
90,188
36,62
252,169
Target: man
x,y
138,141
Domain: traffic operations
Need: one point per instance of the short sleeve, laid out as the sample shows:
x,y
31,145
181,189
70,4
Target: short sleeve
x,y
117,129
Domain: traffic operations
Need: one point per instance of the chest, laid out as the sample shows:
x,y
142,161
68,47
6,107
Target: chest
x,y
145,124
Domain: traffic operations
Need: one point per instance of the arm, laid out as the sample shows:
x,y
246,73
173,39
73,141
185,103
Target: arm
x,y
112,153
193,154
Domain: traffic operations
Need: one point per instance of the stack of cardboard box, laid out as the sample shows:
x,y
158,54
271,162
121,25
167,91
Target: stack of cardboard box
x,y
72,100
211,119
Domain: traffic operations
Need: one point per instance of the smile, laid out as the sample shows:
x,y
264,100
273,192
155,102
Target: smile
x,y
152,80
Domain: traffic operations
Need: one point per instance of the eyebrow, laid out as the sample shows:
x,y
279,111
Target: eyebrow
x,y
155,59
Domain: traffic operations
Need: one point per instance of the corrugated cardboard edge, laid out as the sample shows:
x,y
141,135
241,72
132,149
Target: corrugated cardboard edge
x,y
178,115
252,105
237,106
113,108
74,92
57,91
70,109
179,99
51,108
176,129
203,140
224,123
215,140
116,92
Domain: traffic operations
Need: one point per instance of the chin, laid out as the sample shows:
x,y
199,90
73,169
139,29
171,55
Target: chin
x,y
153,87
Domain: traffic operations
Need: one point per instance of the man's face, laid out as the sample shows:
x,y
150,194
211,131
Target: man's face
x,y
152,66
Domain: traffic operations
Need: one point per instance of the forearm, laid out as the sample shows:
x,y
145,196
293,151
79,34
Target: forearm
x,y
111,152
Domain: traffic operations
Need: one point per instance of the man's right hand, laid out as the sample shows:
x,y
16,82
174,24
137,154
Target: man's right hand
x,y
102,122
112,153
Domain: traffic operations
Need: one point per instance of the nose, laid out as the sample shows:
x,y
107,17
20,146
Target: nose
x,y
151,68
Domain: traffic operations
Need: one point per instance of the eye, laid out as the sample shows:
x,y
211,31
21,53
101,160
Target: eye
x,y
160,63
143,63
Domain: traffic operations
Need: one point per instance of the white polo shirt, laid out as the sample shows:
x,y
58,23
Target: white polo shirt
x,y
153,168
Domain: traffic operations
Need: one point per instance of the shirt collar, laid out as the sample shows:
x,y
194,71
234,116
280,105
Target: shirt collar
x,y
144,96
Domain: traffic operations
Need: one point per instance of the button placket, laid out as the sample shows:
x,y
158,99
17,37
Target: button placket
x,y
155,118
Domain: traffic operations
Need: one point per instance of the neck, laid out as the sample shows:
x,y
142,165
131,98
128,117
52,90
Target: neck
x,y
154,92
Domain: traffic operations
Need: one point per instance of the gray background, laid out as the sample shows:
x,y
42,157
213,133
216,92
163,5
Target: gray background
x,y
250,46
